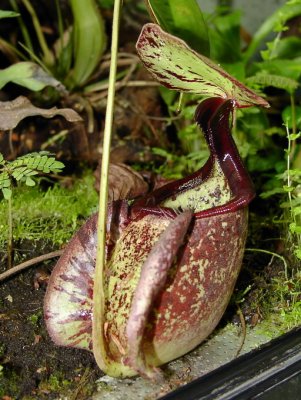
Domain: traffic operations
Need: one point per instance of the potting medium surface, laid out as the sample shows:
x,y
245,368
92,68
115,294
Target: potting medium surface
x,y
219,349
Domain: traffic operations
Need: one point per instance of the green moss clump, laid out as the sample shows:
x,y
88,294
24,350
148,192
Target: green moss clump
x,y
10,383
55,383
51,215
288,308
35,318
279,303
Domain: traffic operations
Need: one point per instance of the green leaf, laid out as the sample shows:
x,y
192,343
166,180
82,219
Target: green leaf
x,y
272,192
295,228
107,4
287,117
294,136
280,82
8,14
89,40
284,68
178,67
64,55
29,165
6,193
57,166
184,19
4,180
29,182
282,14
30,172
296,210
167,95
237,69
29,75
298,253
288,47
19,173
224,36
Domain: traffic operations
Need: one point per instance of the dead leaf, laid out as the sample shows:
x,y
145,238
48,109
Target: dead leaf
x,y
12,112
41,370
41,278
124,182
9,298
37,339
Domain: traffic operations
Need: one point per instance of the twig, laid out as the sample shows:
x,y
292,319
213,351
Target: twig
x,y
121,54
243,330
120,85
83,381
271,253
138,112
148,122
29,263
10,233
125,62
129,74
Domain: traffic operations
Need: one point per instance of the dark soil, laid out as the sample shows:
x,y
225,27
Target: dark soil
x,y
32,366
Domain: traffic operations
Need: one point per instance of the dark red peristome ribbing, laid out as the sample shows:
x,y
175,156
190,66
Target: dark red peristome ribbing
x,y
213,115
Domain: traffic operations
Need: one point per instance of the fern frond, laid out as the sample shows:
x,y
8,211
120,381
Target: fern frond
x,y
33,163
24,167
263,80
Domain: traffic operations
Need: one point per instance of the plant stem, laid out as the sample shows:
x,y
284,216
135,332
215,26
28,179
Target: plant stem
x,y
273,255
99,348
23,27
290,155
243,330
294,127
29,263
10,233
288,171
48,56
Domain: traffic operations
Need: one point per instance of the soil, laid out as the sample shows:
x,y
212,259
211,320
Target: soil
x,y
32,366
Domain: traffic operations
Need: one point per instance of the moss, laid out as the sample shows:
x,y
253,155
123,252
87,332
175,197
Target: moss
x,y
51,215
271,327
81,388
55,383
10,383
279,303
35,318
2,350
285,301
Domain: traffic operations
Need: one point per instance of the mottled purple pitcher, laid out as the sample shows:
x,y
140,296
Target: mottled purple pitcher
x,y
173,258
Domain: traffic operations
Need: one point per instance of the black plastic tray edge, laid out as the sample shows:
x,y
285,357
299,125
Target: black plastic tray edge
x,y
248,375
